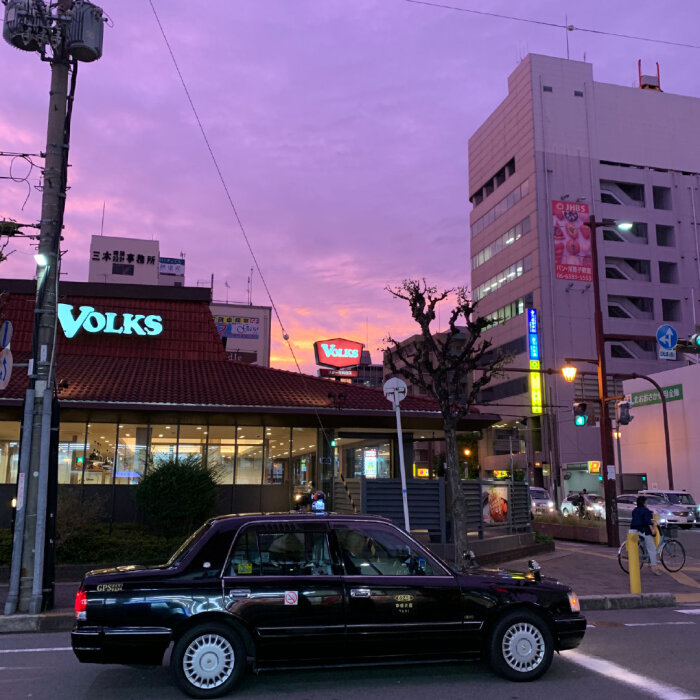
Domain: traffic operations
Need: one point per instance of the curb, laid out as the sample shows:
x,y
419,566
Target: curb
x,y
627,601
60,621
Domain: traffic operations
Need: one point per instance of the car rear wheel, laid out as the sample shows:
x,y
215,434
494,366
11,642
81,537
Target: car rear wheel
x,y
208,661
521,646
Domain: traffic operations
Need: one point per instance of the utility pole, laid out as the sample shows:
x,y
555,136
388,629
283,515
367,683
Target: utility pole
x,y
73,31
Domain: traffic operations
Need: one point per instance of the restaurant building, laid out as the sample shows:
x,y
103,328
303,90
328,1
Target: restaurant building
x,y
142,376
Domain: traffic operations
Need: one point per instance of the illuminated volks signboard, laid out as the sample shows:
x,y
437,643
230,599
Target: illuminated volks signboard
x,y
533,344
338,352
94,321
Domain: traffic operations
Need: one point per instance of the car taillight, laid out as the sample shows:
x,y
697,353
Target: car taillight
x,y
80,605
574,602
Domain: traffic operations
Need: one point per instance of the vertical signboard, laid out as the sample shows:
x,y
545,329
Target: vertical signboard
x,y
572,241
533,346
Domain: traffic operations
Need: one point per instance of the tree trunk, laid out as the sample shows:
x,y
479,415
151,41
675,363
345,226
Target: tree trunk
x,y
458,502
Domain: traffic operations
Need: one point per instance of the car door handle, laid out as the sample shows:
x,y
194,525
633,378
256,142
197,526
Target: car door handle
x,y
359,593
240,593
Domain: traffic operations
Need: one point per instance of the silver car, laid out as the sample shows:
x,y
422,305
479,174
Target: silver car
x,y
594,506
541,502
668,514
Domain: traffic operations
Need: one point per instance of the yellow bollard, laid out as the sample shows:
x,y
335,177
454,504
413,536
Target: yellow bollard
x,y
657,536
632,545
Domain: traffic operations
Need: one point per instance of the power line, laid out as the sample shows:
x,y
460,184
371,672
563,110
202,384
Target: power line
x,y
567,27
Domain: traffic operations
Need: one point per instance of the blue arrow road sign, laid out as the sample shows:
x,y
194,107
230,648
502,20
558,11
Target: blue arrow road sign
x,y
5,334
667,336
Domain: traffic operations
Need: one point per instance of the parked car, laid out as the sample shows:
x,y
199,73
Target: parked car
x,y
321,590
594,506
677,498
540,501
668,514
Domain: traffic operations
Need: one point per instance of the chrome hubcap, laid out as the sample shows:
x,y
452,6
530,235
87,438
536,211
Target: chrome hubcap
x,y
523,647
208,661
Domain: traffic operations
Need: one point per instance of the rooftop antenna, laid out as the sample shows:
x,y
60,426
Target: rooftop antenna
x,y
250,288
226,284
567,30
102,225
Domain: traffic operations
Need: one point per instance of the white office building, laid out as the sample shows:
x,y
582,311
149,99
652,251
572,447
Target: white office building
x,y
560,148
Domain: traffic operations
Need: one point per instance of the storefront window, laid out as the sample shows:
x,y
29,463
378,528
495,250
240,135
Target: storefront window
x,y
163,443
192,441
303,456
221,452
277,442
132,453
99,458
366,458
71,453
9,451
249,455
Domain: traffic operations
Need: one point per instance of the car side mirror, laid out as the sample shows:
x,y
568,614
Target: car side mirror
x,y
535,569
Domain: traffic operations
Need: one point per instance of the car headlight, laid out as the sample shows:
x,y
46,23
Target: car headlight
x,y
574,602
550,504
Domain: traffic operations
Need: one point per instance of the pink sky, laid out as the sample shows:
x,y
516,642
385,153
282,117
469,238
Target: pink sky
x,y
340,127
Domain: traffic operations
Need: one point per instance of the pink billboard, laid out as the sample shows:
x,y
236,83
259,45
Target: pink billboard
x,y
572,241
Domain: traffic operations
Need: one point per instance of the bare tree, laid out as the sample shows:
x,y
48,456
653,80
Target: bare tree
x,y
452,366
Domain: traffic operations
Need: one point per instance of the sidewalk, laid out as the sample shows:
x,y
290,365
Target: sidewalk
x,y
594,574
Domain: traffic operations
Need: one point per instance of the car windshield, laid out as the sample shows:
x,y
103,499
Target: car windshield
x,y
681,499
539,493
655,501
597,499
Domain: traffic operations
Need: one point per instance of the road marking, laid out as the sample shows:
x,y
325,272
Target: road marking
x,y
683,579
655,624
623,675
693,611
28,651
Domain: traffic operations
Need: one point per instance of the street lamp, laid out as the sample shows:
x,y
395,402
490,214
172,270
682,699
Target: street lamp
x,y
569,373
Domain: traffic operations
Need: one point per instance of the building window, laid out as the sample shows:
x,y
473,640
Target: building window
x,y
510,273
221,451
515,308
662,197
303,456
501,208
99,458
9,451
668,273
277,446
508,238
547,88
665,236
132,453
496,181
249,456
671,310
578,93
163,443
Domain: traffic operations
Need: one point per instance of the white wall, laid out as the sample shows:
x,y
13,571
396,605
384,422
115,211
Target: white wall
x,y
643,444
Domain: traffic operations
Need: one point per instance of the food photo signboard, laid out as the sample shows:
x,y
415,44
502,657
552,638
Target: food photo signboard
x,y
572,241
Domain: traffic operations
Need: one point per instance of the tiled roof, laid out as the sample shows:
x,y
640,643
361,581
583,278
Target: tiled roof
x,y
151,382
185,366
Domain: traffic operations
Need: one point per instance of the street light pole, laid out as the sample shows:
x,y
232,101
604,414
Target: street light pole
x,y
606,446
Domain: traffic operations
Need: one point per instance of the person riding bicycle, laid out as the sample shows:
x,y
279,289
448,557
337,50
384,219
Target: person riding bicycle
x,y
643,524
581,504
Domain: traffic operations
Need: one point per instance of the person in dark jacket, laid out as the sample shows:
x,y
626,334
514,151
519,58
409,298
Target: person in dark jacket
x,y
643,524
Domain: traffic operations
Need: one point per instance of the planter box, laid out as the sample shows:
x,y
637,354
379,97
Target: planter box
x,y
580,533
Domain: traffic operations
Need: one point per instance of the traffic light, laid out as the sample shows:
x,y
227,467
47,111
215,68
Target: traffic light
x,y
334,443
580,413
622,411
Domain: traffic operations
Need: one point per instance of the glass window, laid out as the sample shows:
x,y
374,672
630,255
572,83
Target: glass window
x,y
99,460
163,442
132,453
221,452
277,443
249,455
370,551
192,441
71,453
303,456
9,451
281,554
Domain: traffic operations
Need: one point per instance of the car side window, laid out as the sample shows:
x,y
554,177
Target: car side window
x,y
270,553
371,551
209,560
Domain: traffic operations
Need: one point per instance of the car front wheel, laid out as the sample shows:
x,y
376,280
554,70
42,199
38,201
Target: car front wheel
x,y
208,661
521,646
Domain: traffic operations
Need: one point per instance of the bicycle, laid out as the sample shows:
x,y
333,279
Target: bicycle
x,y
670,552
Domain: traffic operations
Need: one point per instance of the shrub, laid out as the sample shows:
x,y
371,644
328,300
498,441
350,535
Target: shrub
x,y
178,495
5,546
74,516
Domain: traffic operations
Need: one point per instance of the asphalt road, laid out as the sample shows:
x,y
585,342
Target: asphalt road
x,y
626,655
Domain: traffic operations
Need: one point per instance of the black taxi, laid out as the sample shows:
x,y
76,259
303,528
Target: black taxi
x,y
282,590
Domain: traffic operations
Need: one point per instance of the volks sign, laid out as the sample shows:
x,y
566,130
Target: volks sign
x,y
338,352
96,322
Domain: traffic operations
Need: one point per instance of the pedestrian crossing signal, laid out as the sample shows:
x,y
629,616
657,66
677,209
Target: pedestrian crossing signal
x,y
580,413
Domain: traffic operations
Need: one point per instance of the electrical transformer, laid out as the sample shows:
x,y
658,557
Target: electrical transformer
x,y
24,26
84,32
